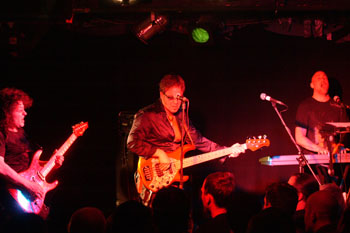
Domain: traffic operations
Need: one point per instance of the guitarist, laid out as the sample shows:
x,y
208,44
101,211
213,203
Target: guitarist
x,y
15,150
156,129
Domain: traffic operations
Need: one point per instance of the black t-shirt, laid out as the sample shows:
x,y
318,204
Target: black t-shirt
x,y
219,224
15,148
312,115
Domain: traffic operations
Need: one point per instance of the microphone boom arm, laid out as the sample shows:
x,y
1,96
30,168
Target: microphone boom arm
x,y
302,159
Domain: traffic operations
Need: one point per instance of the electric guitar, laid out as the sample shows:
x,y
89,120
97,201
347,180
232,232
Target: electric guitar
x,y
151,177
37,173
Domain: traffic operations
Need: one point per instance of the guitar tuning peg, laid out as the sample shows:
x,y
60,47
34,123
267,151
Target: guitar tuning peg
x,y
254,137
265,136
259,137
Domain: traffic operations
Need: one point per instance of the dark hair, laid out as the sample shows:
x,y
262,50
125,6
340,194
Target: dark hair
x,y
130,216
221,186
283,196
171,210
326,204
171,80
87,220
25,223
306,184
8,98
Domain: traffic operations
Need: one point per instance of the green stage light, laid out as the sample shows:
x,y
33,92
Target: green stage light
x,y
200,35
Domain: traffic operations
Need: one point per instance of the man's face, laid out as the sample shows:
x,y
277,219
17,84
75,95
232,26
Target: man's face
x,y
169,99
292,180
17,115
204,198
320,83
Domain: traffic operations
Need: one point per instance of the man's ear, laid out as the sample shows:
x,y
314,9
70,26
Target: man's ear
x,y
210,199
312,85
313,217
300,196
266,203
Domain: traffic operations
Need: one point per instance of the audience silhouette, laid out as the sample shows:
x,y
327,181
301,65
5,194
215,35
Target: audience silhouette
x,y
299,206
280,203
87,220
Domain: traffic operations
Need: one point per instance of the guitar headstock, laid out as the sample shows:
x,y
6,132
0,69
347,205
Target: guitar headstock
x,y
256,143
80,128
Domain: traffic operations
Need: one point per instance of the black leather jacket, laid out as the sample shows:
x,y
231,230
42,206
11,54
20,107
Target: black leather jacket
x,y
151,130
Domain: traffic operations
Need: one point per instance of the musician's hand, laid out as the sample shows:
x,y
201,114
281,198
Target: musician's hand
x,y
35,189
322,151
236,150
59,161
163,159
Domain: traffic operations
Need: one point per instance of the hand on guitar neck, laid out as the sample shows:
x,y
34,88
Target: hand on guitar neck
x,y
237,149
59,161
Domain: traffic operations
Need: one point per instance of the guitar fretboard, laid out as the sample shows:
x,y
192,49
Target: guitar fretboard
x,y
61,151
187,162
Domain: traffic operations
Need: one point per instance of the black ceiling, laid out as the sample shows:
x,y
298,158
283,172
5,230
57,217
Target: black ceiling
x,y
116,17
64,8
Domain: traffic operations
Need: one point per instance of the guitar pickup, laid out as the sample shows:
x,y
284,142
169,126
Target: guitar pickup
x,y
147,173
158,170
40,176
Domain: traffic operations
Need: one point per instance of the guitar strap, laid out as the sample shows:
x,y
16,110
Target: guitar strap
x,y
188,134
145,194
173,122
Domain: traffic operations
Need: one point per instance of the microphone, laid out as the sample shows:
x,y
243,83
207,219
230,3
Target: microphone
x,y
182,98
263,96
338,101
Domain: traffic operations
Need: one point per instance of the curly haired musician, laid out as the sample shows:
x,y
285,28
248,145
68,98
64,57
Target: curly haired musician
x,y
156,129
15,148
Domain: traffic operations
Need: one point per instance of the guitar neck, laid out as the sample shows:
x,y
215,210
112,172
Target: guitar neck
x,y
61,151
188,162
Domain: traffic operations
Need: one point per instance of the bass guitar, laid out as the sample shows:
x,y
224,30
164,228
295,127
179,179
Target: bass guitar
x,y
37,173
150,178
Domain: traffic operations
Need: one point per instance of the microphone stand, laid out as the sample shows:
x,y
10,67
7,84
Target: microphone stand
x,y
302,159
182,130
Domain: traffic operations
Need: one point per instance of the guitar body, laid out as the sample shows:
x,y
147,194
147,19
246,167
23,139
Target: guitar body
x,y
151,175
38,173
25,200
149,178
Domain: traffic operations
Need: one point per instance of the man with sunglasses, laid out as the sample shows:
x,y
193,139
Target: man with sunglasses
x,y
157,128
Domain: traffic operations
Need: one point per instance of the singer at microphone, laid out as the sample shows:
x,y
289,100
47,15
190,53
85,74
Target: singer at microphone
x,y
160,131
263,96
338,101
182,98
315,111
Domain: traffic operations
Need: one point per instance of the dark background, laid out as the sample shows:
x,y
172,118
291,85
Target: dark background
x,y
75,75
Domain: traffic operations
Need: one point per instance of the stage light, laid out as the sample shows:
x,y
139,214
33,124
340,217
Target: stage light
x,y
202,29
151,26
128,2
200,35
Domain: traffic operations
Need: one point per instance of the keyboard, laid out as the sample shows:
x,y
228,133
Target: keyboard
x,y
280,160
